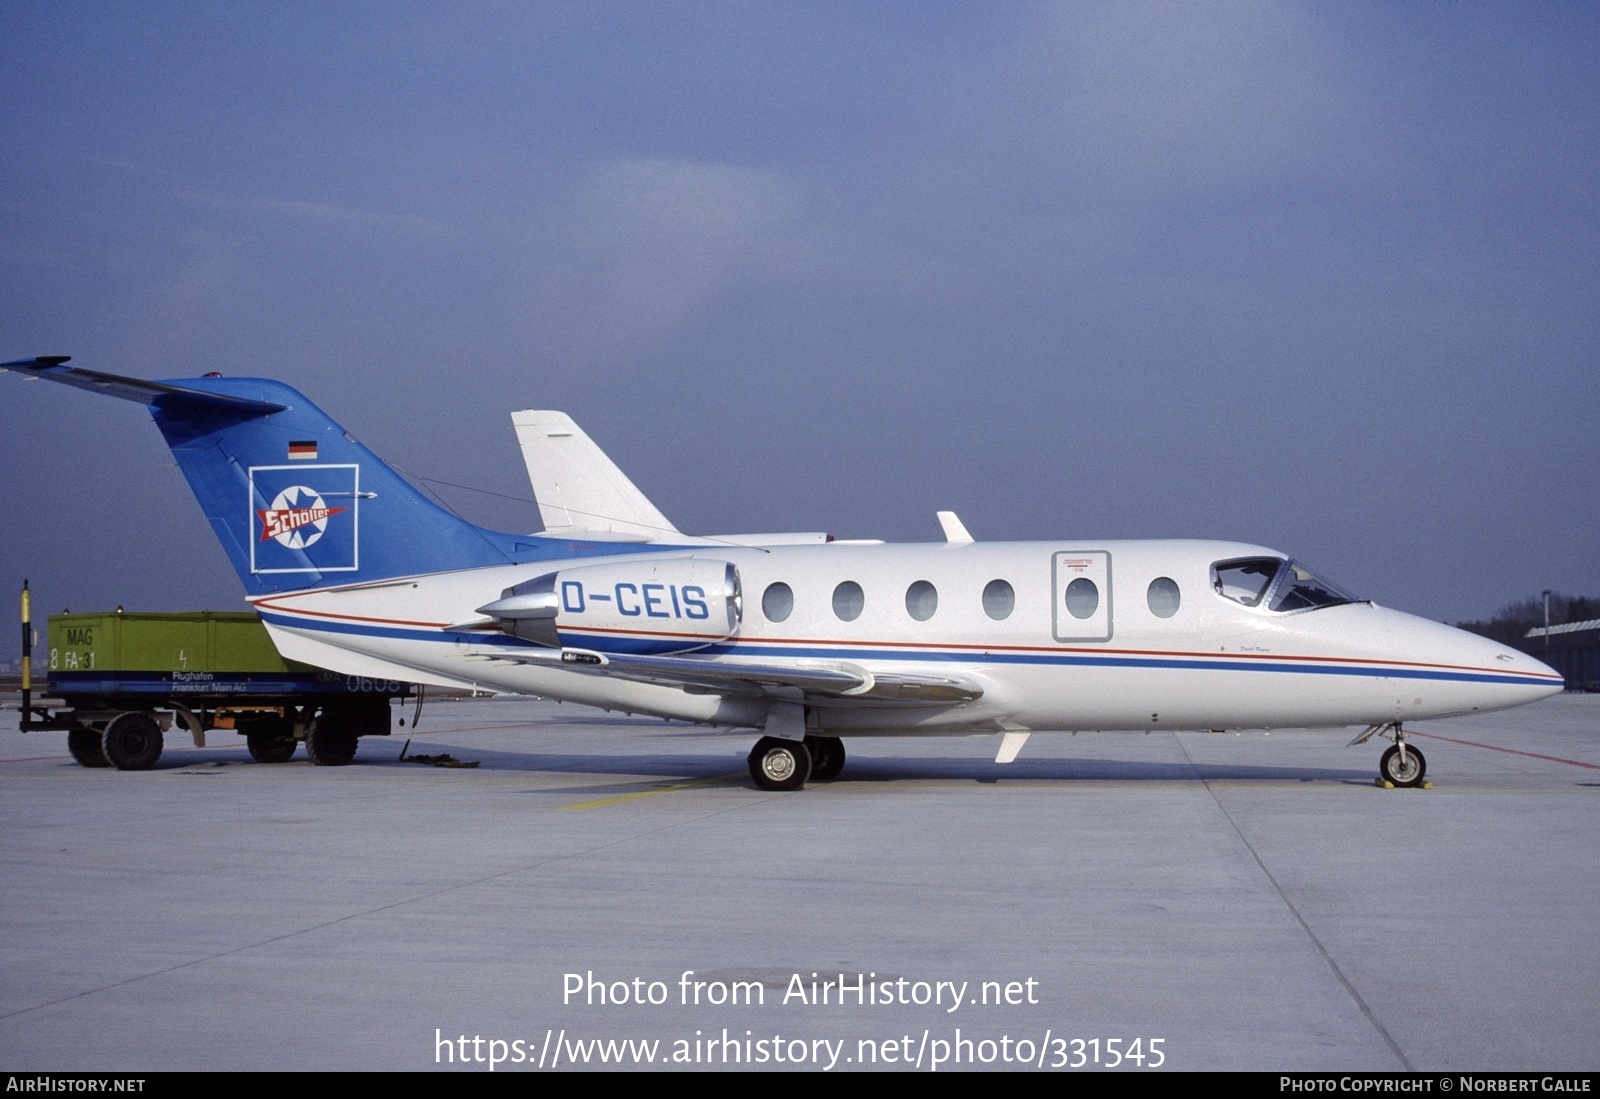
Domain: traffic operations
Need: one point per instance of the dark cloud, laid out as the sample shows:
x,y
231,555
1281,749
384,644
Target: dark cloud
x,y
1315,276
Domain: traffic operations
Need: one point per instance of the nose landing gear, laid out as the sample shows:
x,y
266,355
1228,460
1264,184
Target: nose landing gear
x,y
1402,764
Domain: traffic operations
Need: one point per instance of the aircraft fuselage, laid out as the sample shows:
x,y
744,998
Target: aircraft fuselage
x,y
1159,648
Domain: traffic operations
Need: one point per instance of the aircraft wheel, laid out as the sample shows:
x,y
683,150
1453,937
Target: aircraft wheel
x,y
780,764
132,742
1407,772
270,741
84,744
331,740
827,757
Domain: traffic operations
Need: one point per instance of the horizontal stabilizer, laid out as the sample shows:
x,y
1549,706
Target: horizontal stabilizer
x,y
155,394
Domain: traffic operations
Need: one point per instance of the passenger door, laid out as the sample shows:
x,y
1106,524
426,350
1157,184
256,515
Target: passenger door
x,y
1081,581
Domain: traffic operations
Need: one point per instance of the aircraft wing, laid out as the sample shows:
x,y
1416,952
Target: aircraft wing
x,y
583,494
579,489
819,682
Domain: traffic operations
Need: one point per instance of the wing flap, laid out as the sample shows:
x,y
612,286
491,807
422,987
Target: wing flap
x,y
817,682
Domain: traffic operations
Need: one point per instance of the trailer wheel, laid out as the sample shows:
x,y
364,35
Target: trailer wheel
x,y
84,744
132,742
369,717
331,740
270,741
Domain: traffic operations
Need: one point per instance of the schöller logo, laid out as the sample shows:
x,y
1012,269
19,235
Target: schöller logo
x,y
304,518
297,517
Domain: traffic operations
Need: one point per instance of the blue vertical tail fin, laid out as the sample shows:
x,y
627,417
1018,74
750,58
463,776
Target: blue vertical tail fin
x,y
295,501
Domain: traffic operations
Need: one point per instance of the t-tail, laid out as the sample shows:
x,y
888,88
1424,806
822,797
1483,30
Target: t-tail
x,y
295,501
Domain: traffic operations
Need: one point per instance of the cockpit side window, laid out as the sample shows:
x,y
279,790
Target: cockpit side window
x,y
1245,580
1299,590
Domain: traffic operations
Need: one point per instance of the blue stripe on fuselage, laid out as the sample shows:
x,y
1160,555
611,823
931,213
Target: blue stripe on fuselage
x,y
1065,659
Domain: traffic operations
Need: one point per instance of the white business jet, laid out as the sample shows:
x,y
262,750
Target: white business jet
x,y
801,638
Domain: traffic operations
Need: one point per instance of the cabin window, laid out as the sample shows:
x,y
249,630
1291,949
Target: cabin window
x,y
1163,597
848,600
1083,598
998,600
777,602
922,599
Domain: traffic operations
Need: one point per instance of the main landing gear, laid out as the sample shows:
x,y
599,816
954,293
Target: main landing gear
x,y
778,764
1402,764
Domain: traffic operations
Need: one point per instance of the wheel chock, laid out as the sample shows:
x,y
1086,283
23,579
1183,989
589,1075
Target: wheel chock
x,y
1384,784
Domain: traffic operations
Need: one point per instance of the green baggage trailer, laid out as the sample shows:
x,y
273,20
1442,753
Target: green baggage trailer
x,y
125,678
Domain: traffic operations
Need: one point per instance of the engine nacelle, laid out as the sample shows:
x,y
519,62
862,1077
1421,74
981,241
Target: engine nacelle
x,y
640,606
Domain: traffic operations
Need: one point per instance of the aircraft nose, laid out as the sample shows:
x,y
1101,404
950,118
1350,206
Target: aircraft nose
x,y
1527,665
1459,672
1518,675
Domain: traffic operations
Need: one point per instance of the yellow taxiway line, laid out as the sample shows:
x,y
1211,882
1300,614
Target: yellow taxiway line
x,y
618,799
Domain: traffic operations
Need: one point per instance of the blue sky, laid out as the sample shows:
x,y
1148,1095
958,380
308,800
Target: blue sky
x,y
1321,277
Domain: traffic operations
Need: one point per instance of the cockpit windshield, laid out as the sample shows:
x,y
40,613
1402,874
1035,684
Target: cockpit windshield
x,y
1298,590
1284,586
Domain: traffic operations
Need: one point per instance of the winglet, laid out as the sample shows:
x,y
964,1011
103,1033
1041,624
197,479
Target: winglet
x,y
955,532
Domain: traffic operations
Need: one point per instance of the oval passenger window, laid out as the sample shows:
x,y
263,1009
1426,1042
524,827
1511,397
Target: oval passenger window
x,y
848,600
1163,597
1083,598
922,599
777,602
998,600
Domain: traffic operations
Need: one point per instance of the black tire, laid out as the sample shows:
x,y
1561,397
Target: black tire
x,y
827,757
367,717
1408,773
132,742
270,740
331,740
84,744
780,764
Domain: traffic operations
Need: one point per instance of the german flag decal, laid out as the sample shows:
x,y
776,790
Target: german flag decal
x,y
303,450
